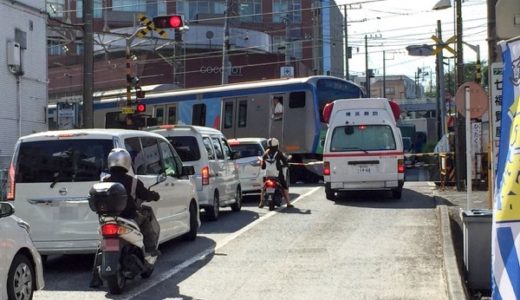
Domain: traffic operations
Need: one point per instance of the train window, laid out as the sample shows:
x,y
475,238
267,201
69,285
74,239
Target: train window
x,y
297,100
172,114
228,115
242,113
159,115
198,116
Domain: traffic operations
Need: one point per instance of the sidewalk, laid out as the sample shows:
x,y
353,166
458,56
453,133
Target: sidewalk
x,y
450,204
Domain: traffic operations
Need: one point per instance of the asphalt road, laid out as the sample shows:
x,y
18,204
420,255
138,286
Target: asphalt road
x,y
364,246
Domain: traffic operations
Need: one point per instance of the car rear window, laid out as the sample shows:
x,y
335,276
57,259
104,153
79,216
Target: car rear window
x,y
362,138
248,150
62,160
186,146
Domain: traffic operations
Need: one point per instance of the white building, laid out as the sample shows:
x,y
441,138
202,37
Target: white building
x,y
23,72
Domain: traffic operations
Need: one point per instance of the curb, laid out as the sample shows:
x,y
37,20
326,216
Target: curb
x,y
455,285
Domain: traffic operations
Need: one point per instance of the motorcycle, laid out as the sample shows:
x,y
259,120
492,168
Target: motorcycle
x,y
121,255
273,192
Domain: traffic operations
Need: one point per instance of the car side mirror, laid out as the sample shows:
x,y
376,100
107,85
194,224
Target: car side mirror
x,y
188,170
162,177
6,209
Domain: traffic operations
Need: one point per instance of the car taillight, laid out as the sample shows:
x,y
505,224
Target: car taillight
x,y
400,166
12,183
326,168
205,175
109,230
270,184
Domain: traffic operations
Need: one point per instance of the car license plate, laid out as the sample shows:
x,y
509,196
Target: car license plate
x,y
269,190
364,170
110,244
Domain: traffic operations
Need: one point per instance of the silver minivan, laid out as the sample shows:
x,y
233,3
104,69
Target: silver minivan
x,y
216,170
52,172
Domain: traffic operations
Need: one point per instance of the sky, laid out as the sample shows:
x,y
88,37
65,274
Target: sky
x,y
391,25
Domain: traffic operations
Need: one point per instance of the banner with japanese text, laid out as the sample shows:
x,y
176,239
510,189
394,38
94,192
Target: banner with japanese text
x,y
506,212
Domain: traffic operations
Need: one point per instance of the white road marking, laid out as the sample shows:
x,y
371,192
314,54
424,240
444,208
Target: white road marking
x,y
202,255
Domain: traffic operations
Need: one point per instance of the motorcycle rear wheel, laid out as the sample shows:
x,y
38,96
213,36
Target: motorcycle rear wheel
x,y
271,202
116,283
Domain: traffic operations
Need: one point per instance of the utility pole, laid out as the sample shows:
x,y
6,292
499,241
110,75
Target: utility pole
x,y
441,104
88,65
287,34
460,136
384,74
225,45
347,53
367,76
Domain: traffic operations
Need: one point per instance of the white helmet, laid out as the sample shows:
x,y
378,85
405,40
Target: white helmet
x,y
119,157
272,143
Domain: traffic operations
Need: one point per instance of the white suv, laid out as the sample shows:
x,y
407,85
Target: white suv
x,y
216,173
52,172
21,271
249,152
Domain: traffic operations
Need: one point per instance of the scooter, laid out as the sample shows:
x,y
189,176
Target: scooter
x,y
273,192
121,255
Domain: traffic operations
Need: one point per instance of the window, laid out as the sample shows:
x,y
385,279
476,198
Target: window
x,y
250,11
209,147
227,150
329,90
248,150
390,90
196,7
98,8
242,113
297,100
170,166
133,146
150,8
199,114
218,148
228,115
362,138
152,156
172,115
277,108
159,115
55,47
62,160
55,8
283,9
186,147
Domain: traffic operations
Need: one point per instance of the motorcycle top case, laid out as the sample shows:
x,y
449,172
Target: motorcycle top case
x,y
107,198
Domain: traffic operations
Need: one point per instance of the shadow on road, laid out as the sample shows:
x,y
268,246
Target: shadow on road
x,y
72,273
379,199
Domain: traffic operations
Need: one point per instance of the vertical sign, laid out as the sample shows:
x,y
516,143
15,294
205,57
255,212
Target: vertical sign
x,y
496,108
476,148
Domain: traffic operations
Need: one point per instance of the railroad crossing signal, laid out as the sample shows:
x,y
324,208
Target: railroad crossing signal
x,y
440,45
149,26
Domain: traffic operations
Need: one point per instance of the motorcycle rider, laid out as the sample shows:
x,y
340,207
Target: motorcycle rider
x,y
119,163
275,158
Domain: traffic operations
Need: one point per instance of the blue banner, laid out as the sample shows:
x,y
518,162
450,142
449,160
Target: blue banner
x,y
506,213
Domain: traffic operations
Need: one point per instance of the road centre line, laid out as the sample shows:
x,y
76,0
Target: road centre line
x,y
202,255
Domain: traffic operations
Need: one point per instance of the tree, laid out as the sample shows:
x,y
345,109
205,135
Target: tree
x,y
469,75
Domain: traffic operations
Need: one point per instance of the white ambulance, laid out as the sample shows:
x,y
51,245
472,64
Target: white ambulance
x,y
363,148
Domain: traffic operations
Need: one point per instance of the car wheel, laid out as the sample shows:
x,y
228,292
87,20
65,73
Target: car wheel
x,y
21,278
396,194
212,211
330,194
237,206
192,234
